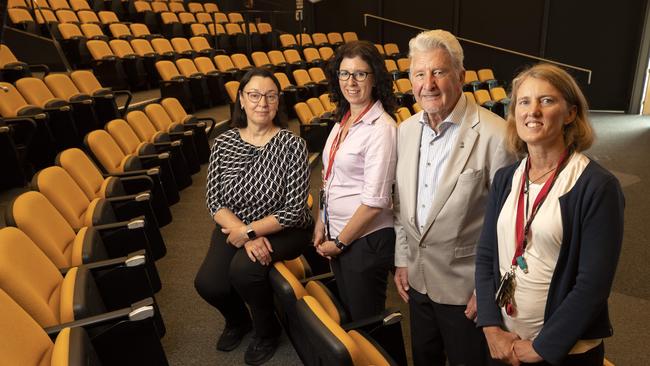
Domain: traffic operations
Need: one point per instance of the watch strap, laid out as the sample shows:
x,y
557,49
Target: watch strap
x,y
340,245
250,232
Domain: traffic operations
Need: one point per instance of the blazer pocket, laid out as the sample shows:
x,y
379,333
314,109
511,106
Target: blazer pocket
x,y
470,175
466,251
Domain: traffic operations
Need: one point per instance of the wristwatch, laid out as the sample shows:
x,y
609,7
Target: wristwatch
x,y
340,245
250,232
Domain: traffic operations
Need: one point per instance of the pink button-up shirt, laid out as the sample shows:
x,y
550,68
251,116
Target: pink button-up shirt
x,y
363,170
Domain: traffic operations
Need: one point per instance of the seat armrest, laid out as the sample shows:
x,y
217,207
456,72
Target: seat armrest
x,y
154,156
138,311
133,259
167,144
129,97
388,317
134,173
181,134
321,277
40,68
135,223
130,197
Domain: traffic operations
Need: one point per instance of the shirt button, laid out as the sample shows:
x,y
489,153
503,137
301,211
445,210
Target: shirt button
x,y
426,185
424,206
428,164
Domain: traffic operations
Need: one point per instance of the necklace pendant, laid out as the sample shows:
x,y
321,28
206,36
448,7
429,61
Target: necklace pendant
x,y
510,308
522,264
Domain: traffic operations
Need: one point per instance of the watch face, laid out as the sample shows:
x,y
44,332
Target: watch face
x,y
251,234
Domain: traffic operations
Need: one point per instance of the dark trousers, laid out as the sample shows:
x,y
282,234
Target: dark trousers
x,y
228,279
362,273
440,332
593,357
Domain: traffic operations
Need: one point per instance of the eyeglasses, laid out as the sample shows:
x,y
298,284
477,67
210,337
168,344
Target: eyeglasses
x,y
255,97
344,75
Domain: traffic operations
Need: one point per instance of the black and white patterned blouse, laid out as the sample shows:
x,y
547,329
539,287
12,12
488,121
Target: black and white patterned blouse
x,y
258,181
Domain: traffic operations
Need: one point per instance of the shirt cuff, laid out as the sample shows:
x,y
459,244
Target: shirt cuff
x,y
379,202
213,210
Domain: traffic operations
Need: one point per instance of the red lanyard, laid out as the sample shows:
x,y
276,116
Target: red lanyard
x,y
521,229
337,140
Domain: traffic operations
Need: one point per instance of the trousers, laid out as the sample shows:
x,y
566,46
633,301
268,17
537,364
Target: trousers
x,y
362,273
441,332
228,279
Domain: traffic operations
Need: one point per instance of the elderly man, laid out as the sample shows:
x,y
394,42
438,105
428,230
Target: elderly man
x,y
447,157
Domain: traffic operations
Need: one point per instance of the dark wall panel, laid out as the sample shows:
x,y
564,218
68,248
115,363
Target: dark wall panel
x,y
345,15
417,13
513,24
284,17
600,36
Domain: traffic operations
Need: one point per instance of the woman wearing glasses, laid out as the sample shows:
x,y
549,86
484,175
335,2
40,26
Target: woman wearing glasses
x,y
355,225
257,186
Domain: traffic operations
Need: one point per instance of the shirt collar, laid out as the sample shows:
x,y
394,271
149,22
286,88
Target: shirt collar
x,y
454,117
375,112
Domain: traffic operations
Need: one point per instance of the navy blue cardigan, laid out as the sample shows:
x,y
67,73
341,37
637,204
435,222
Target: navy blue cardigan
x,y
592,227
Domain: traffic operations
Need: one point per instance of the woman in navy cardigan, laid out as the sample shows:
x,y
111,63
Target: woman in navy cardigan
x,y
552,232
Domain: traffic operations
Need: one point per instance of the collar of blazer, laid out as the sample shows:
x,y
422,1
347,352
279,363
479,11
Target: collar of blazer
x,y
460,154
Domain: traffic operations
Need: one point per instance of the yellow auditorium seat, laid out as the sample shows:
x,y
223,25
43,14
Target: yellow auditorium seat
x,y
114,161
56,301
96,185
25,342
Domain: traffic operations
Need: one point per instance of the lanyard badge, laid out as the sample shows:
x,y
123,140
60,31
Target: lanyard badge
x,y
505,294
327,172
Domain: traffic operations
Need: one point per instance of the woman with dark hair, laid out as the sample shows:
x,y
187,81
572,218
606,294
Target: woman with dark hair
x,y
257,187
355,227
552,232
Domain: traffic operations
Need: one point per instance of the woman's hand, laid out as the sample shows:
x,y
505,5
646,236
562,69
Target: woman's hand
x,y
501,344
236,235
328,249
259,249
319,233
526,353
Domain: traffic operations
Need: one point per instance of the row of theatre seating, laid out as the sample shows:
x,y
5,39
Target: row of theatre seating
x,y
54,113
82,268
230,36
196,81
318,326
46,116
69,106
78,255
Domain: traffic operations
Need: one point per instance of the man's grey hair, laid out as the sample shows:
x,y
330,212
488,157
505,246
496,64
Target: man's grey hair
x,y
438,38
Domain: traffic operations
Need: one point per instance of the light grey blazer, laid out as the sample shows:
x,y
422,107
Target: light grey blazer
x,y
440,259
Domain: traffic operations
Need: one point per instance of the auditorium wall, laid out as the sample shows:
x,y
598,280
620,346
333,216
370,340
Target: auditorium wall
x,y
597,35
